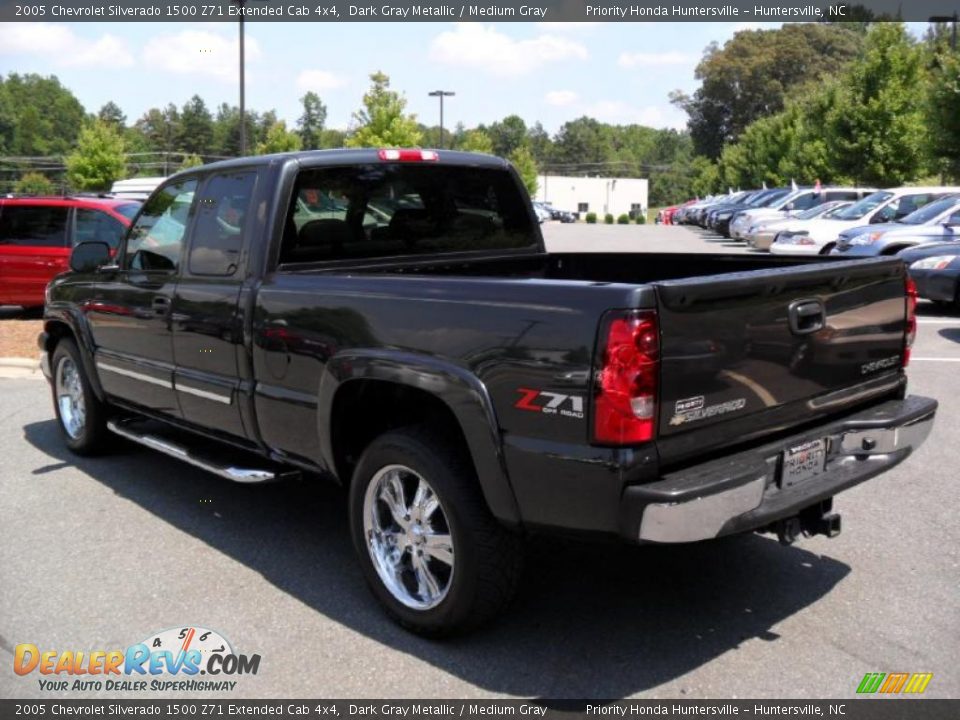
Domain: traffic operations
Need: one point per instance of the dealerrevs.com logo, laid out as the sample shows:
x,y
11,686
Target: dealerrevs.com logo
x,y
171,660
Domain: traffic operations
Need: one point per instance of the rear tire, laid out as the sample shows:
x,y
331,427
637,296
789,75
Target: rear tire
x,y
430,550
81,416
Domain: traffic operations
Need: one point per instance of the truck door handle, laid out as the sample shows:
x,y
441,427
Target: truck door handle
x,y
161,305
806,316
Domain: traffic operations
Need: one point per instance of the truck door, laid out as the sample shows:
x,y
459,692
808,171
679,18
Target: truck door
x,y
207,323
129,313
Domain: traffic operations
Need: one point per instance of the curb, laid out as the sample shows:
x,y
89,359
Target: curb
x,y
14,367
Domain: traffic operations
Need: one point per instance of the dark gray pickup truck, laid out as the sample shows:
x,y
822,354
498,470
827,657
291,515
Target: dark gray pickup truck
x,y
390,320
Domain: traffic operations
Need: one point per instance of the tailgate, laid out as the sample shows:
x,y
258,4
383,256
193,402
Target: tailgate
x,y
752,353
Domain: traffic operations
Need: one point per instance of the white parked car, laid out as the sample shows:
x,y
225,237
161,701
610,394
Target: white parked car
x,y
760,235
136,188
819,236
798,201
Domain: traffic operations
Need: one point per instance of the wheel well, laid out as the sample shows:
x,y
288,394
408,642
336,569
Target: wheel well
x,y
893,249
365,409
56,331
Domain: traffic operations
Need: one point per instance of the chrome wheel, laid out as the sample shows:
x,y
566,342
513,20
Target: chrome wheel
x,y
69,389
408,537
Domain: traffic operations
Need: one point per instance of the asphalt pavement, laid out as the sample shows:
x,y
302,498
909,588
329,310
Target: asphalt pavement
x,y
98,554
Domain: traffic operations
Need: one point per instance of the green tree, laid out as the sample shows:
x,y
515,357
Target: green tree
x,y
332,138
705,178
112,114
190,161
196,127
582,144
382,121
279,139
526,166
943,112
312,122
226,130
875,130
38,116
98,160
753,74
476,141
507,135
539,142
34,183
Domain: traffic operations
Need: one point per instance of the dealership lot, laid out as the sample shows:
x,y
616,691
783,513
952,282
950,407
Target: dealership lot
x,y
98,554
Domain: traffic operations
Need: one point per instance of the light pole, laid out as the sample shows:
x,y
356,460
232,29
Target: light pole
x,y
243,104
441,94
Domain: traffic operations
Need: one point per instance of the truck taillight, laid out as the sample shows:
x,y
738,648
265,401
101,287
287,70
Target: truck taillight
x,y
911,329
408,155
627,374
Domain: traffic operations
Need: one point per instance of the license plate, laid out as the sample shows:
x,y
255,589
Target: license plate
x,y
802,462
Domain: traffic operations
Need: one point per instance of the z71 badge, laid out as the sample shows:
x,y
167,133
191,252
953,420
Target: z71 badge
x,y
550,403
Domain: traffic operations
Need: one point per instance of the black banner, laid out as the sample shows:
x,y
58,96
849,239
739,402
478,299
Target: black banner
x,y
483,11
847,709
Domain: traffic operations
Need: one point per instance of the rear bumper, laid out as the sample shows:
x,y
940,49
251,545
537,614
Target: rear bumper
x,y
742,492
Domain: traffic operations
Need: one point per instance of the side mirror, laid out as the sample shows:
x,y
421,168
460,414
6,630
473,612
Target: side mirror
x,y
88,256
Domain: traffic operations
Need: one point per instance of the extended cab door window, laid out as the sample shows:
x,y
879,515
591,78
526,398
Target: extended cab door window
x,y
219,230
156,240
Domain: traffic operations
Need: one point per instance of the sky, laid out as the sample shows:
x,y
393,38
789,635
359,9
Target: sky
x,y
551,72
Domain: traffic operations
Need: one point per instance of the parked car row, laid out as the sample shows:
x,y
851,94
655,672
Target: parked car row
x,y
545,212
919,224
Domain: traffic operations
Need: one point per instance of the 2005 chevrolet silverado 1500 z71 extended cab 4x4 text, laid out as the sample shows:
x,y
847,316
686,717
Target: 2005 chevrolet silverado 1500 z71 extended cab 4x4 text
x,y
390,319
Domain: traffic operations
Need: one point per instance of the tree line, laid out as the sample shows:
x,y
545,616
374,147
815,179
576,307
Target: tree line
x,y
866,104
860,103
48,140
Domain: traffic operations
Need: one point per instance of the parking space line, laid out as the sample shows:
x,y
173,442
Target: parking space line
x,y
938,321
934,359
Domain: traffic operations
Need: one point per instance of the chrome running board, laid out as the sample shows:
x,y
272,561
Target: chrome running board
x,y
157,442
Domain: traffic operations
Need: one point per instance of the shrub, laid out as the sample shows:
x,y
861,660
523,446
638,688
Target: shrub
x,y
623,219
34,183
642,219
608,218
591,218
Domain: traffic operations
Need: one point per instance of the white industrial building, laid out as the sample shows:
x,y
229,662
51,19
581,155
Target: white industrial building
x,y
600,195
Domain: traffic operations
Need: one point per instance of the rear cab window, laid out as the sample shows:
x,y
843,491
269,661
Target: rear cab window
x,y
396,210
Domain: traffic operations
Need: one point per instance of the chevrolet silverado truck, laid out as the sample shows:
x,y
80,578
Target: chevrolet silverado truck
x,y
392,321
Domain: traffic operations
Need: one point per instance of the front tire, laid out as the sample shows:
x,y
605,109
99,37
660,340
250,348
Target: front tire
x,y
81,416
430,550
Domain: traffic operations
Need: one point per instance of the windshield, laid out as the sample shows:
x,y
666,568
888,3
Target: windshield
x,y
816,211
128,210
868,204
770,199
929,212
836,209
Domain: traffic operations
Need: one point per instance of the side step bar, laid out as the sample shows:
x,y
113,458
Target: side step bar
x,y
125,429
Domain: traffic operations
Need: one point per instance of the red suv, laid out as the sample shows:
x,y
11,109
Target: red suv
x,y
37,234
